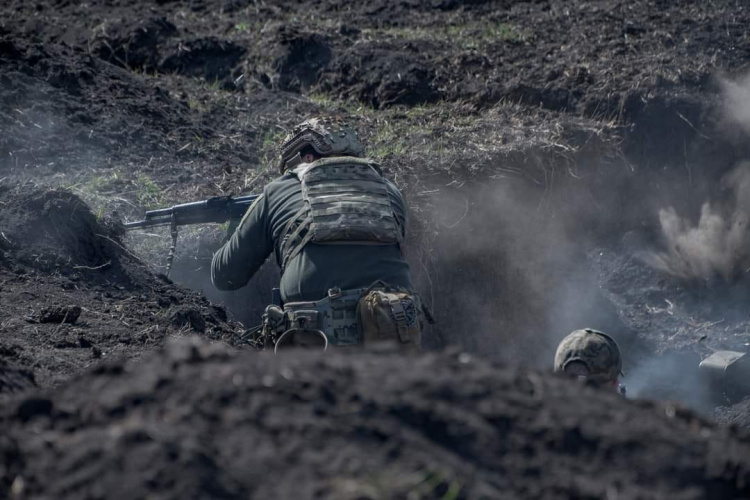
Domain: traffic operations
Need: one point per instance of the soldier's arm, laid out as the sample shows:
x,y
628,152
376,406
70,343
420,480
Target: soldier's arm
x,y
238,260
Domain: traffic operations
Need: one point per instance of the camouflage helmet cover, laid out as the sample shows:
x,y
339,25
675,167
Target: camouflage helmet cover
x,y
327,136
596,350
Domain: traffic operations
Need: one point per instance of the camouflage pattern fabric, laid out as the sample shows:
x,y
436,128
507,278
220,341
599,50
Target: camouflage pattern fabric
x,y
334,315
346,201
316,268
596,350
327,136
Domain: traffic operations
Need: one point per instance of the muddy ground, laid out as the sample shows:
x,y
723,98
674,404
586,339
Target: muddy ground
x,y
536,143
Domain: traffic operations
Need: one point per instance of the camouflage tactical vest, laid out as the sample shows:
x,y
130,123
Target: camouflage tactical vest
x,y
346,201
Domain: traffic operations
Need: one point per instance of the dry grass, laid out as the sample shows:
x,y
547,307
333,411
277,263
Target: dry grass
x,y
459,34
423,149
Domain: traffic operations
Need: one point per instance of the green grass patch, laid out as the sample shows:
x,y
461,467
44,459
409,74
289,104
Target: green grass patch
x,y
330,104
147,193
269,148
99,184
390,139
464,36
470,36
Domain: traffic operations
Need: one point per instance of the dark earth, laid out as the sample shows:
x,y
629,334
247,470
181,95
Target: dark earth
x,y
535,142
204,421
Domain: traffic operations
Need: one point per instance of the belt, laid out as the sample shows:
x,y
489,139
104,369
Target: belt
x,y
335,316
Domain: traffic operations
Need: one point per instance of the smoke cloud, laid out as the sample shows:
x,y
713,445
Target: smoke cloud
x,y
737,102
716,246
673,376
509,274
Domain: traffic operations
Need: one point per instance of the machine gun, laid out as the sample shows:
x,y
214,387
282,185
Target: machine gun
x,y
219,209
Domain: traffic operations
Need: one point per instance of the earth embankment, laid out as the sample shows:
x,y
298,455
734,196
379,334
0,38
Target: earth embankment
x,y
538,144
204,421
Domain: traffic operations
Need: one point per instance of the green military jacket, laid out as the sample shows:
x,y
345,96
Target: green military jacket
x,y
318,267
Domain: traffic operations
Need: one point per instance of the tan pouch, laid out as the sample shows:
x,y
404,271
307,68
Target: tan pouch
x,y
389,316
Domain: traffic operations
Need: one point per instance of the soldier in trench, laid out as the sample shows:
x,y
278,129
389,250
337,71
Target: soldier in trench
x,y
592,356
336,226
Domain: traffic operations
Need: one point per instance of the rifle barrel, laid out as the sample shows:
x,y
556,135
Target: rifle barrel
x,y
217,210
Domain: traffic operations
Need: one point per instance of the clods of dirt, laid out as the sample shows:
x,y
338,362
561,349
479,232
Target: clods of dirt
x,y
71,294
209,58
296,57
60,314
187,317
737,414
205,421
382,76
62,95
133,45
53,228
14,379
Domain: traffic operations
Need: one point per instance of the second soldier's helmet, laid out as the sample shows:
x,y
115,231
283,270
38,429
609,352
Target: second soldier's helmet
x,y
327,136
589,353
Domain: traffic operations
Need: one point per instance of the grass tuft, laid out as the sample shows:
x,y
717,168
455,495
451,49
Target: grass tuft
x,y
464,36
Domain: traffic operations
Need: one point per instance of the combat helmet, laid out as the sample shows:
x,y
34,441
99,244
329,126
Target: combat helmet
x,y
595,351
327,136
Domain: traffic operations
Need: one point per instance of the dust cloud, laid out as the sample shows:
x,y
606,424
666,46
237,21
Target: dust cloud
x,y
674,377
736,97
511,277
716,246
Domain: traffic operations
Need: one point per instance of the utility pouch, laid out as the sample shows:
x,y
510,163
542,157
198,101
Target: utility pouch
x,y
335,316
273,325
387,316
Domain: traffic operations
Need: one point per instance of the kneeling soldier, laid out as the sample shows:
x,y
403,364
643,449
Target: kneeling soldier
x,y
336,226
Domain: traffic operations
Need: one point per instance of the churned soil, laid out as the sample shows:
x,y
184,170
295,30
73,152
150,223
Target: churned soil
x,y
203,421
535,141
72,295
99,73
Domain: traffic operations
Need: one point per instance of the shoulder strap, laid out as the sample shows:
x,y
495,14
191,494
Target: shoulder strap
x,y
286,240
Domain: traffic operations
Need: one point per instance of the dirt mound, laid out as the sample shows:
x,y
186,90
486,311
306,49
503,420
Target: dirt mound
x,y
481,51
133,45
71,294
382,75
205,421
737,414
61,107
209,58
13,379
65,232
295,58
